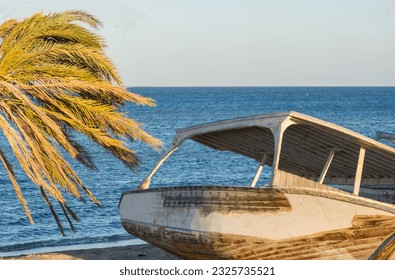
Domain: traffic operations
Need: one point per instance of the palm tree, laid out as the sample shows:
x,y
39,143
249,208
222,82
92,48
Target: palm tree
x,y
55,80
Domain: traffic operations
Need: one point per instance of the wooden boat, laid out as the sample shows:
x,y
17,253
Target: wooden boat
x,y
331,195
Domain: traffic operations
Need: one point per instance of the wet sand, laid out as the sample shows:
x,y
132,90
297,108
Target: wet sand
x,y
131,252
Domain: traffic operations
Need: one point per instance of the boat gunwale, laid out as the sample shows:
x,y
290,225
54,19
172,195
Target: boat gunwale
x,y
327,192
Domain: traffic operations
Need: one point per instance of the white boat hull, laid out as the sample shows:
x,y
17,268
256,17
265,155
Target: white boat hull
x,y
252,223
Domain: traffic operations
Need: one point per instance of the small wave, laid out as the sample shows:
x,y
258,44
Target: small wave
x,y
65,244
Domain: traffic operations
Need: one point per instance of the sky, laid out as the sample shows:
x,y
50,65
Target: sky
x,y
240,42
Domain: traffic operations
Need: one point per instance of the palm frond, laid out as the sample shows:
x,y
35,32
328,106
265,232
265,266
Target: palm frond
x,y
6,27
55,78
94,61
14,182
27,159
54,214
93,89
77,15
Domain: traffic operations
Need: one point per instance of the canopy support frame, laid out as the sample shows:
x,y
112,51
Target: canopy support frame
x,y
259,171
147,181
326,166
358,173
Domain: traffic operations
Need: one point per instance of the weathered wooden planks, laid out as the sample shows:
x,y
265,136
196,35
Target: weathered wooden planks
x,y
305,145
386,251
356,242
234,200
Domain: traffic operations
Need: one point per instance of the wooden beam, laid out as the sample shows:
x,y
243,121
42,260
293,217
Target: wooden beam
x,y
259,171
366,181
277,153
146,183
358,173
326,167
278,133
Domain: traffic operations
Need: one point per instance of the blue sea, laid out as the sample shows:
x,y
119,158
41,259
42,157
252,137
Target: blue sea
x,y
363,109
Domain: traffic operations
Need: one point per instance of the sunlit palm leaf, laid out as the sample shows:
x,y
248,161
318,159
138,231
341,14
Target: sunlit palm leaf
x,y
55,78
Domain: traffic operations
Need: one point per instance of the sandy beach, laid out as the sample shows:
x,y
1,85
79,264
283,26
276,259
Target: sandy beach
x,y
131,252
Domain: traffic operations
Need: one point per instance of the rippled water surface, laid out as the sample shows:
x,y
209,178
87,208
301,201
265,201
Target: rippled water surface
x,y
364,110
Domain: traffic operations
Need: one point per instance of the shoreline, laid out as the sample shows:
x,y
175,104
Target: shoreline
x,y
129,252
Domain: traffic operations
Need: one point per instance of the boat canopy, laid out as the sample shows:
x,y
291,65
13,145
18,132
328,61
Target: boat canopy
x,y
301,145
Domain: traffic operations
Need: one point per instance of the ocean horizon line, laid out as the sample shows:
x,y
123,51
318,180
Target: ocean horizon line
x,y
258,86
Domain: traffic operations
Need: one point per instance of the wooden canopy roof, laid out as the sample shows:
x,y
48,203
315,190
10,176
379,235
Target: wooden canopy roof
x,y
305,142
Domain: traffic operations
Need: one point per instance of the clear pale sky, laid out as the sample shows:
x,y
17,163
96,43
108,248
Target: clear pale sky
x,y
241,42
